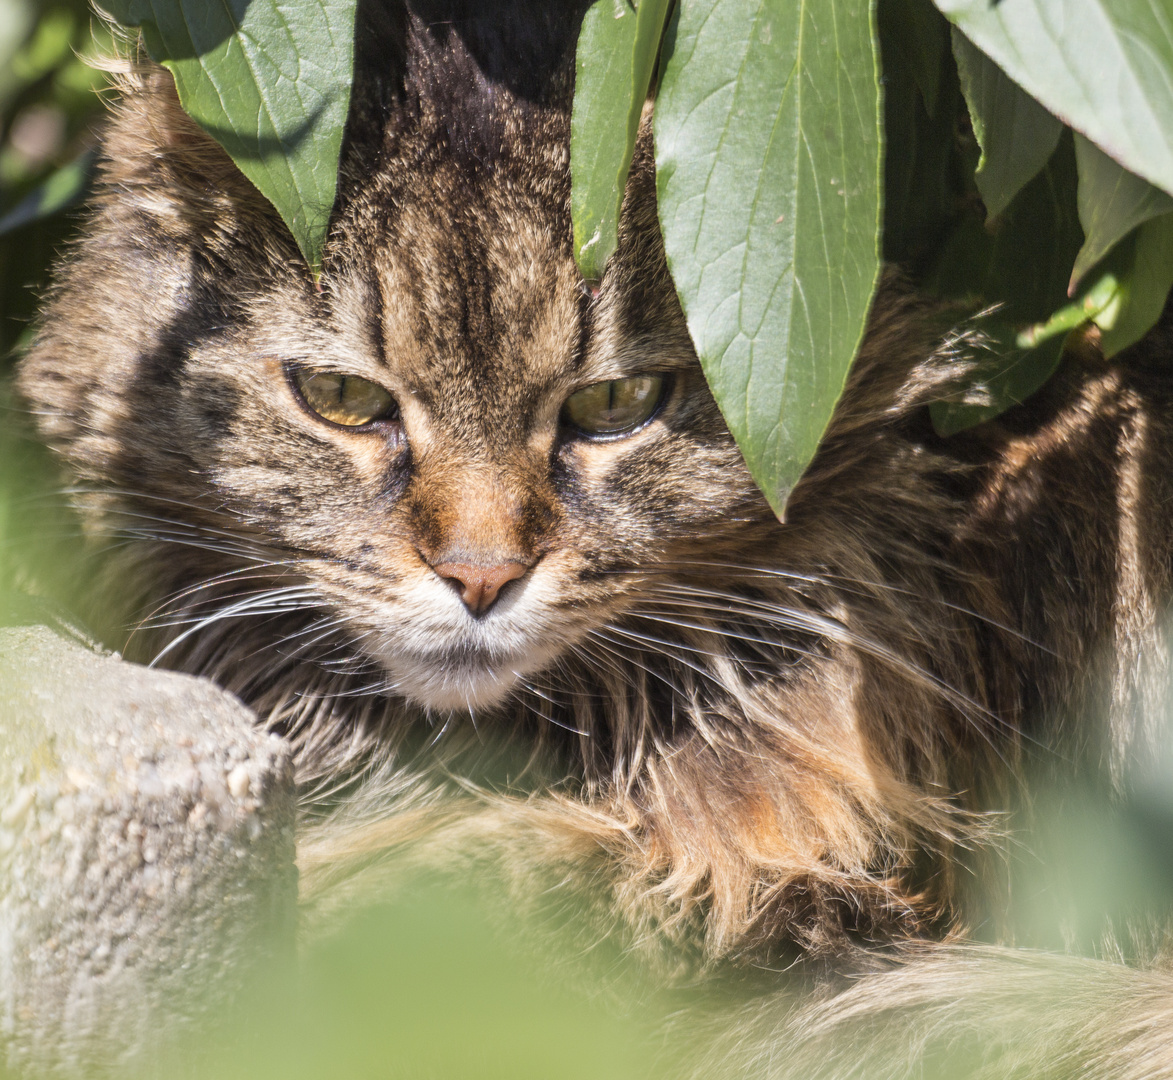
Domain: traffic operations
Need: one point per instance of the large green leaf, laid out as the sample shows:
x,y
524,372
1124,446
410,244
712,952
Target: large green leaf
x,y
768,155
1016,134
1103,66
616,55
270,81
1019,269
1112,202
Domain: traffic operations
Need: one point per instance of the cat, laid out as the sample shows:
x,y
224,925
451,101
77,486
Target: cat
x,y
476,539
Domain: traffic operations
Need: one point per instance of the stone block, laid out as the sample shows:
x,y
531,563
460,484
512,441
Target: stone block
x,y
146,855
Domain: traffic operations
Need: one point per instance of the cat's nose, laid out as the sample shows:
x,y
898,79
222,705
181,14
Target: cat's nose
x,y
479,585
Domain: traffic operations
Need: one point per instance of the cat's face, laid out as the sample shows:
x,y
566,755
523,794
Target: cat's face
x,y
453,446
474,460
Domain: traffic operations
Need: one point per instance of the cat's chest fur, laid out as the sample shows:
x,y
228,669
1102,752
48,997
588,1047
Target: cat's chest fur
x,y
756,733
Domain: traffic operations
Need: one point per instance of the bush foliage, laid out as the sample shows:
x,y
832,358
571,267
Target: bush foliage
x,y
1011,156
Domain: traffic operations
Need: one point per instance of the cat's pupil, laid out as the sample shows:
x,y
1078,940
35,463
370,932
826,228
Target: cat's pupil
x,y
615,407
346,400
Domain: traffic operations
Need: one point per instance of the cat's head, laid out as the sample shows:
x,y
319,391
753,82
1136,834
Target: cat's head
x,y
452,471
453,445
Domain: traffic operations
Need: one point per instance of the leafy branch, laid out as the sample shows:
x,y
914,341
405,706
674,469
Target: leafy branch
x,y
1018,160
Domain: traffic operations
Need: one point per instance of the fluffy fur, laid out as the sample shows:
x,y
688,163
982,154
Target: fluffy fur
x,y
749,739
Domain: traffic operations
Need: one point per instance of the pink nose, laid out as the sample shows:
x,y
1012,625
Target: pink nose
x,y
479,585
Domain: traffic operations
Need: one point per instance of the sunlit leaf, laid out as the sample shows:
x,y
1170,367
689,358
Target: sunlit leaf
x,y
270,81
1016,134
1096,304
768,155
1112,202
1146,278
1102,67
613,68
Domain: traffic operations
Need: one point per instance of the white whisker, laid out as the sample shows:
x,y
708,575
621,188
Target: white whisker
x,y
275,601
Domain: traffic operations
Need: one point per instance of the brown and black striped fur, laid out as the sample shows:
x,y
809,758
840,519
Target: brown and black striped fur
x,y
753,739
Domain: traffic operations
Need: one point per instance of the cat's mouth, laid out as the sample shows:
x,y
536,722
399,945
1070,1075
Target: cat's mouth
x,y
467,679
439,656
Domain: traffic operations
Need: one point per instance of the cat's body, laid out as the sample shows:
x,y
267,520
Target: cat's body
x,y
751,738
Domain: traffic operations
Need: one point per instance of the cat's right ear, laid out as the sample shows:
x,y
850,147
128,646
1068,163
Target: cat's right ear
x,y
160,160
171,221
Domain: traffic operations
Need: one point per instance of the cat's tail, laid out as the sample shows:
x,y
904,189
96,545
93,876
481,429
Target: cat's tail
x,y
954,1013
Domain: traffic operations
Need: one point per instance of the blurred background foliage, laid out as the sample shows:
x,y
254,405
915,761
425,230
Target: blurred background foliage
x,y
50,106
442,982
48,113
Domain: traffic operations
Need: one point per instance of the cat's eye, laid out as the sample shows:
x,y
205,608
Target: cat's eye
x,y
345,400
615,407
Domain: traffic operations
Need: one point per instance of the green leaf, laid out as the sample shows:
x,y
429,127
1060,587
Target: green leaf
x,y
65,188
1019,269
1145,280
1105,68
1102,297
1112,202
1016,134
912,37
1019,261
616,56
1007,376
270,81
924,168
768,168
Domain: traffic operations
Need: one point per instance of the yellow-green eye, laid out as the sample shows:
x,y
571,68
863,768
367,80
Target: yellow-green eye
x,y
344,399
615,407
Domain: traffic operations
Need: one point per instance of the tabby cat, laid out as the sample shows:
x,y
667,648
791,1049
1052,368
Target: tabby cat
x,y
448,499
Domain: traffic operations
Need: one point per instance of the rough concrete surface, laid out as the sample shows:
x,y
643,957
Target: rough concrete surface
x,y
146,855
